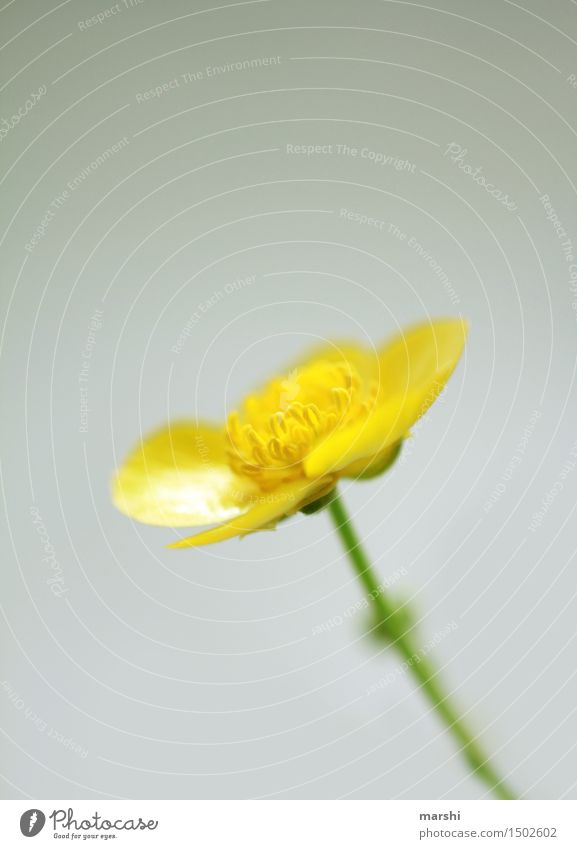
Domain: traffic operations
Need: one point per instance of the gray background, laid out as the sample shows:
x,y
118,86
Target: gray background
x,y
175,674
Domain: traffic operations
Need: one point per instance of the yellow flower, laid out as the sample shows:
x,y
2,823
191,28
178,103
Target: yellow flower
x,y
343,412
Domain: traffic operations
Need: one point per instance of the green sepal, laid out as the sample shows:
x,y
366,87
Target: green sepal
x,y
381,464
318,504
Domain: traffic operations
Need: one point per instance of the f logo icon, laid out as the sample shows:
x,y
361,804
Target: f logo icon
x,y
32,822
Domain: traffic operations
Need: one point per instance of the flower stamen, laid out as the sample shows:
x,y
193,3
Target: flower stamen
x,y
279,431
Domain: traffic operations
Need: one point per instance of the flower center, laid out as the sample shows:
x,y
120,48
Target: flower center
x,y
278,428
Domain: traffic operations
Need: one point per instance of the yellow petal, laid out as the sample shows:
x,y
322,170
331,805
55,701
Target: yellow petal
x,y
179,476
269,508
365,439
415,367
363,358
423,354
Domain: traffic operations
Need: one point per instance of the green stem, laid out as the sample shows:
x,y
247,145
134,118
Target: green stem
x,y
399,632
